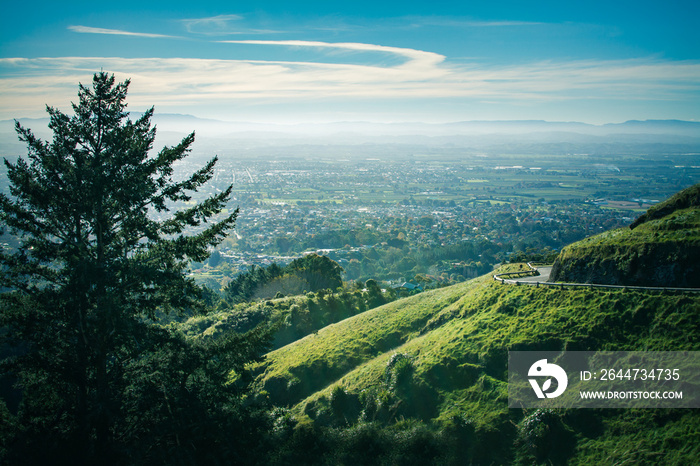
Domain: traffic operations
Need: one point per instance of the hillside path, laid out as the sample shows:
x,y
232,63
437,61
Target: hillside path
x,y
545,271
542,277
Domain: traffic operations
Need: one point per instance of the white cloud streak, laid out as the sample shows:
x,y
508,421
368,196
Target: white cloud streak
x,y
211,25
449,22
185,84
221,25
116,32
421,63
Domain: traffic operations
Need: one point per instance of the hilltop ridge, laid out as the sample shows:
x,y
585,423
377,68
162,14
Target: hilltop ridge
x,y
688,198
661,248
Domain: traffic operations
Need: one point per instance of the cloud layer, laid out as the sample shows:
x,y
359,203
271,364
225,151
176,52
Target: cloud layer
x,y
185,83
115,32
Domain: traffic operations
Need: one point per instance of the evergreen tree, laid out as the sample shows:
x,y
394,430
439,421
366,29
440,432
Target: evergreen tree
x,y
100,255
319,271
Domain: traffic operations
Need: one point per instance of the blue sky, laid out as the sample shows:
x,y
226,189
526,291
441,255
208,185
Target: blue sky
x,y
592,61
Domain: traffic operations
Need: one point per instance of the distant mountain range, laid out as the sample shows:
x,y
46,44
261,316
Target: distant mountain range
x,y
675,127
180,122
684,135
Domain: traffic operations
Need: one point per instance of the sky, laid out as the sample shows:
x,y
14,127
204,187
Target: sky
x,y
385,61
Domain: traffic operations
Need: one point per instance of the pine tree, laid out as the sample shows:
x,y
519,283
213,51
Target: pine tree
x,y
102,253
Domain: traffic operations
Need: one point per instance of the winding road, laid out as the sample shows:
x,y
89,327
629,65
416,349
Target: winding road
x,y
543,277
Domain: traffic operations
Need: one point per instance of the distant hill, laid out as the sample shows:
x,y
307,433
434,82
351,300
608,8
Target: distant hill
x,y
661,248
521,137
211,127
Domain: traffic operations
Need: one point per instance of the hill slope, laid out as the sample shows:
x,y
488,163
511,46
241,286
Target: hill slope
x,y
661,248
429,373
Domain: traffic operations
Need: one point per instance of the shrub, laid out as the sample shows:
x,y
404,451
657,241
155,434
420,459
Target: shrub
x,y
399,372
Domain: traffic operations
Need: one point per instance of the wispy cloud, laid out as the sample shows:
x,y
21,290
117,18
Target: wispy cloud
x,y
212,24
462,23
187,83
479,24
503,23
115,32
222,25
417,59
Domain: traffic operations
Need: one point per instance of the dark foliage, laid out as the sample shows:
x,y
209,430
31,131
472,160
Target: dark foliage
x,y
100,257
308,273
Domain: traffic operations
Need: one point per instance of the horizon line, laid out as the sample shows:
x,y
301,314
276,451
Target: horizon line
x,y
397,122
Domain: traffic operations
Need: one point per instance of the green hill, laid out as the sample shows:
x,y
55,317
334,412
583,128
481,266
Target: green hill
x,y
684,199
661,248
424,379
291,317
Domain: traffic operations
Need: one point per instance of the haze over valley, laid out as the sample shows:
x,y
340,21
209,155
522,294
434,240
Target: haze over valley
x,y
368,233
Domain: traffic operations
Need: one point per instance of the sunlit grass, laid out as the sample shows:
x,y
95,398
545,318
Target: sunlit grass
x,y
458,339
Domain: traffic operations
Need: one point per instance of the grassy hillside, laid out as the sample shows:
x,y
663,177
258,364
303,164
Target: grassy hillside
x,y
661,248
428,375
684,199
291,317
298,370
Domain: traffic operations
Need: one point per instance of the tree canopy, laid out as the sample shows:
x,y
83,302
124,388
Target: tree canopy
x,y
105,246
310,272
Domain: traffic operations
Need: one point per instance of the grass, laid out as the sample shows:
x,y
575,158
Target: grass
x,y
457,340
659,252
433,368
679,226
660,436
470,337
297,370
